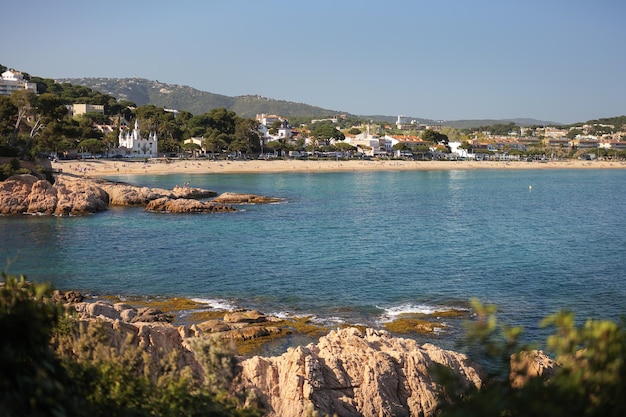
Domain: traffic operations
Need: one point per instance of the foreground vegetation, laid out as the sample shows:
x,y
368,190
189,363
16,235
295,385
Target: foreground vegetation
x,y
49,366
589,378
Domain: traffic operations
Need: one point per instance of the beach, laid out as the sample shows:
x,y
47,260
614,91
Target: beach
x,y
103,167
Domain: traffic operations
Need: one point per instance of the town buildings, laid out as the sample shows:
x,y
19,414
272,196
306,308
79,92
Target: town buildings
x,y
14,80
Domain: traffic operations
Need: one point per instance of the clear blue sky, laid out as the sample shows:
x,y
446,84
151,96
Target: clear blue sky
x,y
555,60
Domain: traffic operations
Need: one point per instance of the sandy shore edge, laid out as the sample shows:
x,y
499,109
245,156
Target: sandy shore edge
x,y
103,167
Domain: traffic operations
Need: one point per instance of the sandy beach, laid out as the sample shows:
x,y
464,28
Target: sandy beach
x,y
103,167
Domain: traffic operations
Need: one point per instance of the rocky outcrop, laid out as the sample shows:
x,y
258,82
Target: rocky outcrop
x,y
71,195
351,373
530,364
186,205
123,194
236,198
28,194
347,373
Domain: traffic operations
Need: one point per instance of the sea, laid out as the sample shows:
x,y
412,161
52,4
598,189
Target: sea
x,y
354,247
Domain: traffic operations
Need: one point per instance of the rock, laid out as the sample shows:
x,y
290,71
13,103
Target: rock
x,y
213,326
68,297
349,373
97,309
72,195
151,315
42,198
530,364
248,333
186,205
188,192
235,198
79,197
245,316
14,193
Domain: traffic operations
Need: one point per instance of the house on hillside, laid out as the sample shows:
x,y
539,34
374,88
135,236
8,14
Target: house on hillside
x,y
14,80
77,109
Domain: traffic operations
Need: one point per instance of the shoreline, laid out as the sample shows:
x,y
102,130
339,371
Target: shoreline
x,y
100,167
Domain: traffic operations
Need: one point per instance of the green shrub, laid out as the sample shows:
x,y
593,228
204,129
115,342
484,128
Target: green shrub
x,y
51,365
589,379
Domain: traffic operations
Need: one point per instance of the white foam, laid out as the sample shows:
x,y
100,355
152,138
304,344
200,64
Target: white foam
x,y
391,313
216,303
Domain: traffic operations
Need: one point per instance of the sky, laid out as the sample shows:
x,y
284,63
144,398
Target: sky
x,y
562,61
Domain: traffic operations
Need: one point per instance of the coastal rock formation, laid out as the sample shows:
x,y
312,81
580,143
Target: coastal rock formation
x,y
186,205
236,198
71,195
350,373
123,194
26,193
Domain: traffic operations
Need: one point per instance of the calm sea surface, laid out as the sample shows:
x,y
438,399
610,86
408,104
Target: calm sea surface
x,y
356,247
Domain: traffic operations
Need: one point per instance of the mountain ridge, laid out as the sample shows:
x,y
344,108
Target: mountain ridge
x,y
142,91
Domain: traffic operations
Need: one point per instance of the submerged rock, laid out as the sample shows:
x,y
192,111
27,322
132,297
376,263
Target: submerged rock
x,y
186,205
236,198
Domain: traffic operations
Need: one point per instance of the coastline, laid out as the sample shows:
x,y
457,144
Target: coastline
x,y
101,167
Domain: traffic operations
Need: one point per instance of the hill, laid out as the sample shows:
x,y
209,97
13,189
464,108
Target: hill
x,y
466,124
142,91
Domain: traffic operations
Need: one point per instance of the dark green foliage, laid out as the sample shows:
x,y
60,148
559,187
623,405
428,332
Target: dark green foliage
x,y
434,137
324,132
590,379
32,380
51,366
12,168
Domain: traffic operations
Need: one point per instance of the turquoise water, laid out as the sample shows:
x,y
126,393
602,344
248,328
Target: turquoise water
x,y
355,247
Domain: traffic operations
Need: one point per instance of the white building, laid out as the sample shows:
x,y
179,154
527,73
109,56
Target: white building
x,y
131,143
14,80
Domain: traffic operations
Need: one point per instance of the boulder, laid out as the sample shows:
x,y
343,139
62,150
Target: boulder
x,y
186,205
151,315
236,198
530,364
350,373
98,309
42,198
14,193
68,297
189,192
79,197
245,316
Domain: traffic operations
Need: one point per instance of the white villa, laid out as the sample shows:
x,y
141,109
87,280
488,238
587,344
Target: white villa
x,y
131,143
266,121
14,80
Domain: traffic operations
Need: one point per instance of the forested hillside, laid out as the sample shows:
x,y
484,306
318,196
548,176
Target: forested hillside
x,y
143,92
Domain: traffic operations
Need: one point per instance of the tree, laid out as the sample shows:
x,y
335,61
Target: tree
x,y
8,119
246,137
434,137
324,133
91,145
